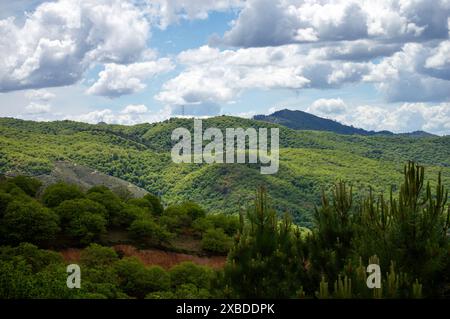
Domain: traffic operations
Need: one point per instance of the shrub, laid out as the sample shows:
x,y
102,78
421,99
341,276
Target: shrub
x,y
95,255
129,214
69,209
57,193
29,185
157,208
29,222
86,227
216,241
107,199
190,273
137,280
144,230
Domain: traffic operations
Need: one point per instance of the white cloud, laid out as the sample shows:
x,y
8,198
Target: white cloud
x,y
59,40
418,73
135,109
277,22
39,95
330,107
408,117
440,59
36,108
116,80
167,12
216,76
130,115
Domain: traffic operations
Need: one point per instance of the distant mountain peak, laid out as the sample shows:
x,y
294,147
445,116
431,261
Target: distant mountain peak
x,y
300,120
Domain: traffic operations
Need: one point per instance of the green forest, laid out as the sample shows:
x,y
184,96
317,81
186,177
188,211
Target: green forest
x,y
338,204
140,154
405,233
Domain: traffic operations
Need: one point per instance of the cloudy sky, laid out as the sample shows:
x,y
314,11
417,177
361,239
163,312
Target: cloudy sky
x,y
378,65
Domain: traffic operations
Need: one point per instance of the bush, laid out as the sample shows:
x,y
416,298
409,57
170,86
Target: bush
x,y
29,222
190,291
190,273
95,255
107,199
157,208
137,280
175,219
129,214
29,185
146,229
229,223
57,193
69,209
86,227
216,241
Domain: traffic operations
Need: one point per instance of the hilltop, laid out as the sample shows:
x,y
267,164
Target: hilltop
x,y
140,154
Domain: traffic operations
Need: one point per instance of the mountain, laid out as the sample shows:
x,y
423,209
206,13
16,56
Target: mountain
x,y
309,161
299,120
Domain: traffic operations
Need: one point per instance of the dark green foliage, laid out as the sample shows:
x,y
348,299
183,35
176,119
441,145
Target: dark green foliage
x,y
29,185
190,273
83,219
177,217
86,227
216,241
129,214
145,230
136,280
254,264
157,208
69,209
28,221
27,272
5,199
107,199
57,193
98,256
228,223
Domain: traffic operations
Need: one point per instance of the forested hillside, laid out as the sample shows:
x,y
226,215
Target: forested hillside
x,y
309,161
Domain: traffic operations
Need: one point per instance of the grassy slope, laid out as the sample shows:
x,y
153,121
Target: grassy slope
x,y
140,154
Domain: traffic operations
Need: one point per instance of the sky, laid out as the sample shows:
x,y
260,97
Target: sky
x,y
378,65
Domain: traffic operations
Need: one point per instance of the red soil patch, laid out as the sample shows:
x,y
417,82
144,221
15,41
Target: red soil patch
x,y
165,259
71,254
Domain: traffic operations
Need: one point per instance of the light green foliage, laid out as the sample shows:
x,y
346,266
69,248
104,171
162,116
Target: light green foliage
x,y
309,160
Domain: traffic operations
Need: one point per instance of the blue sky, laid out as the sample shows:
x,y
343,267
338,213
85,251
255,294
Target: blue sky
x,y
376,65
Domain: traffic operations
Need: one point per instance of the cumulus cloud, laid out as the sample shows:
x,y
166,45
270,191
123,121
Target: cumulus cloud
x,y
135,109
277,22
167,12
328,106
59,40
116,80
39,95
417,73
36,108
216,76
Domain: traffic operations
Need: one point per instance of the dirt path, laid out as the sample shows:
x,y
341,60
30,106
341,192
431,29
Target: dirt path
x,y
165,259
